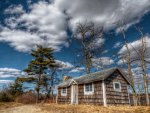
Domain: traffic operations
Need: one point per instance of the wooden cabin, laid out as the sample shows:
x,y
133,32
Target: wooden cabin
x,y
107,87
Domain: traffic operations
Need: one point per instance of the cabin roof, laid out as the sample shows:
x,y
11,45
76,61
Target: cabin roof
x,y
97,76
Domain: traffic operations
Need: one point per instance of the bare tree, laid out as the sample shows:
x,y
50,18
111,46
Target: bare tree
x,y
141,56
127,57
143,66
49,82
88,35
134,55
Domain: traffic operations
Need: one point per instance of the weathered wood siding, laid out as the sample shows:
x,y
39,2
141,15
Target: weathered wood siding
x,y
64,99
114,97
95,99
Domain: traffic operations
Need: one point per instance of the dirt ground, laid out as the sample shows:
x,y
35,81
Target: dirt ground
x,y
23,109
56,108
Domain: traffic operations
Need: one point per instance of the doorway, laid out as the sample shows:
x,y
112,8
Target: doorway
x,y
74,94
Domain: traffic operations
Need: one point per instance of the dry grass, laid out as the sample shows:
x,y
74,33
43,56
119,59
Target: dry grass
x,y
56,108
26,98
4,105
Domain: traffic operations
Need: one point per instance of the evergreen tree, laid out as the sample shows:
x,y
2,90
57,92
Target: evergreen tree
x,y
43,60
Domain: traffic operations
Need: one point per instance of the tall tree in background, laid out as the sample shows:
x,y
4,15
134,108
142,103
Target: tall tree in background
x,y
127,57
136,56
144,70
43,60
141,56
143,63
90,37
49,81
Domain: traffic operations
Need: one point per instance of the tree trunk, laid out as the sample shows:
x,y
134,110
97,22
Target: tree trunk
x,y
145,84
38,85
129,69
146,91
37,98
143,64
133,85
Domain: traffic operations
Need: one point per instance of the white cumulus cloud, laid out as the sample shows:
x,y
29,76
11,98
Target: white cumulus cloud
x,y
118,44
14,10
46,23
136,45
10,72
105,13
102,62
5,81
76,70
64,65
135,49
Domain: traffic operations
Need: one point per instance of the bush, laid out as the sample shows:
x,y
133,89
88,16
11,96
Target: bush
x,y
10,92
27,98
5,97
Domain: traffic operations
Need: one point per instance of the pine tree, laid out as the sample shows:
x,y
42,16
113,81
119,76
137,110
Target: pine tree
x,y
43,60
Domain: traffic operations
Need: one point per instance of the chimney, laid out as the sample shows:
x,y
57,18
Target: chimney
x,y
65,78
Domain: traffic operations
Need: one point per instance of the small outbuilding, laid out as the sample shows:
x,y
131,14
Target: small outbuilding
x,y
107,87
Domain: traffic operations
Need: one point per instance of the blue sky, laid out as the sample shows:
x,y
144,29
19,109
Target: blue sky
x,y
25,23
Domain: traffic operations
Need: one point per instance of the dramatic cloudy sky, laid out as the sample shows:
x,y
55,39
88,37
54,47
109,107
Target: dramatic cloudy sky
x,y
26,23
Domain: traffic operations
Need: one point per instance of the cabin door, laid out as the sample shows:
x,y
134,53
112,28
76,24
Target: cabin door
x,y
74,94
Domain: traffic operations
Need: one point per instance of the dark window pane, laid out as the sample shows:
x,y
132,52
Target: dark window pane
x,y
64,91
117,86
88,87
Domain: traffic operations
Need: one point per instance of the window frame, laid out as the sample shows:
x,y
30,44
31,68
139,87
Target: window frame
x,y
117,89
89,92
62,92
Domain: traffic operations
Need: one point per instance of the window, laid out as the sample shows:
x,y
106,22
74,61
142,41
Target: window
x,y
88,89
117,86
64,92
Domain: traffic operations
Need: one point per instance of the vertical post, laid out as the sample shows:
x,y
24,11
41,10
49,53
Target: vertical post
x,y
128,94
104,93
71,94
57,96
57,99
77,94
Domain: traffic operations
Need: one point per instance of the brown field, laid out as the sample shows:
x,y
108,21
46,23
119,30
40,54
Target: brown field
x,y
56,108
5,105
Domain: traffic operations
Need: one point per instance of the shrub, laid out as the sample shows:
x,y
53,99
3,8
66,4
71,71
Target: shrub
x,y
27,98
5,97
